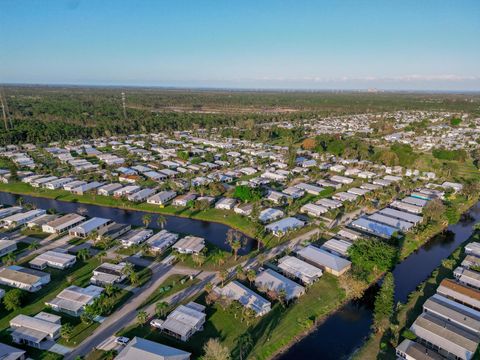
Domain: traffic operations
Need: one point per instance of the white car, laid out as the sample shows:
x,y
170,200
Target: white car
x,y
156,323
122,340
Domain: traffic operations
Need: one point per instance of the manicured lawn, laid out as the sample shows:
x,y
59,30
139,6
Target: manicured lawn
x,y
172,285
269,333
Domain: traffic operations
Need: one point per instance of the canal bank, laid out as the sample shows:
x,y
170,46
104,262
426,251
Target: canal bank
x,y
347,329
214,233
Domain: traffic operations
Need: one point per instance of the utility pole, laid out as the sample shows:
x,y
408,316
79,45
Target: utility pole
x,y
124,106
4,111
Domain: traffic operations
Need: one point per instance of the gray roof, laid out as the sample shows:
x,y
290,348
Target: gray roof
x,y
417,351
402,215
323,258
276,282
373,227
142,349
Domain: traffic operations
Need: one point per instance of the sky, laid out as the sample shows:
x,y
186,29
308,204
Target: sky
x,y
294,44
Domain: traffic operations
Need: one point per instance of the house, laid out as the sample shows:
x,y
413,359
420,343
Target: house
x,y
407,207
114,230
269,280
39,331
39,221
460,293
294,192
373,228
74,299
109,189
62,224
4,212
73,184
457,187
311,189
411,350
337,247
23,278
453,312
243,209
8,352
358,191
184,200
344,196
54,259
467,277
248,298
184,321
225,204
446,338
141,195
274,176
88,227
313,210
7,246
189,245
276,197
329,203
401,215
57,184
19,219
162,198
126,190
296,268
161,241
415,201
281,227
473,248
270,214
341,179
108,274
83,189
135,237
325,260
387,220
142,349
43,180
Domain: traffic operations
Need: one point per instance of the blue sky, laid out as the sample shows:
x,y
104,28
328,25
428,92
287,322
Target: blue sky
x,y
329,44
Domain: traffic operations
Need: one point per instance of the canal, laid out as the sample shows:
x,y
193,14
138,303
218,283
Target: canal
x,y
345,331
214,233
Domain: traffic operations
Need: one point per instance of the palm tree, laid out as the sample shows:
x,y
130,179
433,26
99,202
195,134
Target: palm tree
x,y
251,275
161,221
101,255
134,278
34,245
146,219
83,254
66,331
235,240
142,317
160,308
9,259
110,289
223,275
128,269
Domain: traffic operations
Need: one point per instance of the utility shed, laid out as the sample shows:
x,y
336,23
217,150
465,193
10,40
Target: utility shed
x,y
273,281
448,338
294,267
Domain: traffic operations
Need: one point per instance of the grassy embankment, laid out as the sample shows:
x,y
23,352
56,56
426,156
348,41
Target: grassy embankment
x,y
231,219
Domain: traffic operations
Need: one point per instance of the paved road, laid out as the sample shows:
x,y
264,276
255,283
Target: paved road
x,y
128,312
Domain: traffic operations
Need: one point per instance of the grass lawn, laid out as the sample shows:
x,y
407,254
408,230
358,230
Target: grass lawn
x,y
36,233
269,333
171,285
